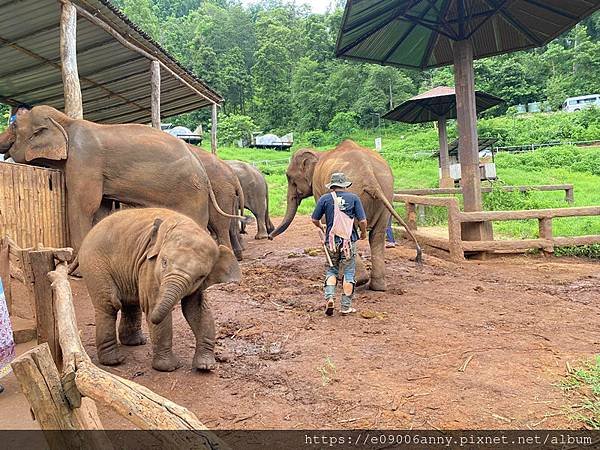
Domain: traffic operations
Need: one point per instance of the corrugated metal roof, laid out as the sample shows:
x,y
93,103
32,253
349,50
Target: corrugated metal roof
x,y
438,102
420,33
115,80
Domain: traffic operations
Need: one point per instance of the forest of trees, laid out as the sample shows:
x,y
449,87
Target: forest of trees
x,y
273,63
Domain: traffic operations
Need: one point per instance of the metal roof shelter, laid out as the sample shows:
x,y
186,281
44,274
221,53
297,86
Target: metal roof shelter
x,y
438,104
432,33
46,45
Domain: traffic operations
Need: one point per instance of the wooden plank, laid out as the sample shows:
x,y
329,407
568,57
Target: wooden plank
x,y
506,245
529,214
487,189
42,262
420,200
68,57
426,239
155,86
576,240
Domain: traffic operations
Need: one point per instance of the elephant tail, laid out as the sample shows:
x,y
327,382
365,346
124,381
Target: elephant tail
x,y
240,195
380,195
213,199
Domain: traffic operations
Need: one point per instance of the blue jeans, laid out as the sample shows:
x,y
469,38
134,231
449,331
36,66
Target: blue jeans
x,y
345,266
389,234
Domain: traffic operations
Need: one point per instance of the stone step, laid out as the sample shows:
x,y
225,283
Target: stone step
x,y
23,329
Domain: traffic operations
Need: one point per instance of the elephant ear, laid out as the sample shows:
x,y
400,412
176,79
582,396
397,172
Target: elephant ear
x,y
48,140
308,162
225,270
157,236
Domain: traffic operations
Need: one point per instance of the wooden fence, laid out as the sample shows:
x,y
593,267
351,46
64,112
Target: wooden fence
x,y
457,247
568,188
33,205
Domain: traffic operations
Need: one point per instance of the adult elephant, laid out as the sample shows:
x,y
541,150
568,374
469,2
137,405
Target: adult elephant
x,y
256,195
230,197
372,181
133,164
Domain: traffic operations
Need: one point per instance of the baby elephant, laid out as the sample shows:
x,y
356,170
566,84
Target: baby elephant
x,y
147,260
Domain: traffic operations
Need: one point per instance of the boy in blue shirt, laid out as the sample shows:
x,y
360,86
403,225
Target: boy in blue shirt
x,y
342,250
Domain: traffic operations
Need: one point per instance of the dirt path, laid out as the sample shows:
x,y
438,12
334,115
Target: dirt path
x,y
517,321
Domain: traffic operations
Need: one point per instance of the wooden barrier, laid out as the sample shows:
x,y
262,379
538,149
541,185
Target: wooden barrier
x,y
568,188
33,205
66,400
457,247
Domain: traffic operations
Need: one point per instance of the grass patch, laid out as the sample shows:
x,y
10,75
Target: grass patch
x,y
583,384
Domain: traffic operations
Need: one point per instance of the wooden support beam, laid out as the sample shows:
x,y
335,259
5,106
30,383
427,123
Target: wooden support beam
x,y
68,56
5,271
545,227
464,77
42,262
155,80
445,180
213,130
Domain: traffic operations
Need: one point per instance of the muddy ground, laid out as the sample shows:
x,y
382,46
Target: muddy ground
x,y
480,344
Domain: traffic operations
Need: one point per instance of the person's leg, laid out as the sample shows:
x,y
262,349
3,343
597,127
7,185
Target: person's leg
x,y
349,271
331,275
389,235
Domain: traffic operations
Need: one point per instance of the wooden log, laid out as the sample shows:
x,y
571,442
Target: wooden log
x,y
68,57
155,81
569,195
530,214
5,271
213,130
576,240
421,200
40,383
487,189
42,262
506,245
445,180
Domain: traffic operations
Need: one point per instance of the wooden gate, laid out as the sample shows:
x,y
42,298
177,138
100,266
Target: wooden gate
x,y
33,206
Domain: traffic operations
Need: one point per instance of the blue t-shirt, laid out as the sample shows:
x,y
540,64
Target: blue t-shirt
x,y
349,204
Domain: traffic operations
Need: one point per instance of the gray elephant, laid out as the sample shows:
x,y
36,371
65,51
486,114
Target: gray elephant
x,y
256,195
147,260
133,164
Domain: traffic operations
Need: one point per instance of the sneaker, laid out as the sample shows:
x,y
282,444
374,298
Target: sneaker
x,y
329,308
390,245
346,311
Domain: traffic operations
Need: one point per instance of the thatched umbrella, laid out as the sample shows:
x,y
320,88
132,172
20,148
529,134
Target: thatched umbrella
x,y
438,104
433,33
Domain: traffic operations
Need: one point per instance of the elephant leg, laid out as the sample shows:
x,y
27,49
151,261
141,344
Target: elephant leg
x,y
261,225
198,314
130,326
161,335
361,275
377,244
106,334
83,201
236,239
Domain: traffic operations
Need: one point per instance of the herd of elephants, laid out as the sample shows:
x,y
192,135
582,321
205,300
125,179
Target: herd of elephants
x,y
181,233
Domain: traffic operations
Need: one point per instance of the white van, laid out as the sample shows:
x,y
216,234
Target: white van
x,y
578,103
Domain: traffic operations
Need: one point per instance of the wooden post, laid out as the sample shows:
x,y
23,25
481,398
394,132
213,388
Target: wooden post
x,y
464,78
545,227
569,197
411,213
68,57
454,232
213,130
155,80
42,262
445,180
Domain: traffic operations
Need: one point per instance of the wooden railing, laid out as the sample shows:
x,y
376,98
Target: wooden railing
x,y
457,247
568,188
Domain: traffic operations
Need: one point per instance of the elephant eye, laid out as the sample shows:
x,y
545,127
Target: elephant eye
x,y
163,263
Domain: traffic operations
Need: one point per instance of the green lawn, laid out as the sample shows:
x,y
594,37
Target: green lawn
x,y
583,383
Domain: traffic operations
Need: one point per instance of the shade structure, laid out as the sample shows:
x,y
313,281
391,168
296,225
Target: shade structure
x,y
437,103
115,79
421,33
432,33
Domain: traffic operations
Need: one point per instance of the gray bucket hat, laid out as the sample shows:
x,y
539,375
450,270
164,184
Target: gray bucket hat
x,y
339,179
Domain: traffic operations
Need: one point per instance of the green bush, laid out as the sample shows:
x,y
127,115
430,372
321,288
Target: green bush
x,y
343,124
234,127
315,138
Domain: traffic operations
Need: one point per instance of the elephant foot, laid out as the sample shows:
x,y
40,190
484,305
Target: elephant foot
x,y
204,360
238,255
110,358
378,284
132,339
167,363
261,236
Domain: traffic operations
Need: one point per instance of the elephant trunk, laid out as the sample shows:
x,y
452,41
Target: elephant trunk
x,y
292,207
171,291
7,139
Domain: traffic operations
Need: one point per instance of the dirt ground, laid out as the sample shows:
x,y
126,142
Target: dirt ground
x,y
480,344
